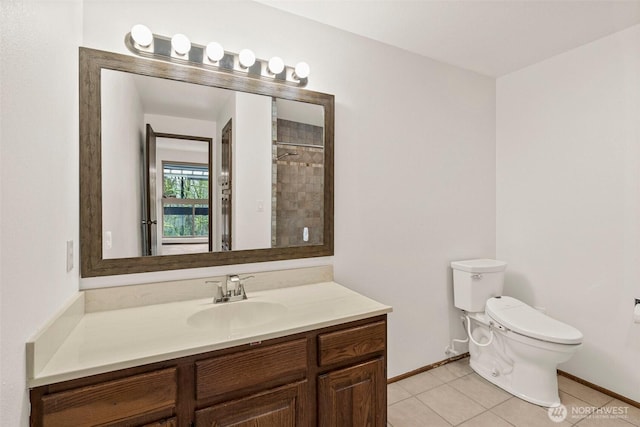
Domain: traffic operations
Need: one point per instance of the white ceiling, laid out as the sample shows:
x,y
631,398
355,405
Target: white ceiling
x,y
490,37
178,99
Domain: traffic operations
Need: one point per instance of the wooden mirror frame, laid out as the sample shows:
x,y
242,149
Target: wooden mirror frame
x,y
91,262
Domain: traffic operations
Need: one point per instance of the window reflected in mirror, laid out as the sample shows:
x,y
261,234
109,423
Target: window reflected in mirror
x,y
185,207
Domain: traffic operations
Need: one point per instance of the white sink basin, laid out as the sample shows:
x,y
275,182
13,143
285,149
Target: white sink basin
x,y
237,315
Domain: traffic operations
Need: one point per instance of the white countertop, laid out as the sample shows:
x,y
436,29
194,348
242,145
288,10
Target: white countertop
x,y
117,339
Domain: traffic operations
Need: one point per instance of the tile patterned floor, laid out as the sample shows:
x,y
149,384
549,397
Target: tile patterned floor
x,y
454,395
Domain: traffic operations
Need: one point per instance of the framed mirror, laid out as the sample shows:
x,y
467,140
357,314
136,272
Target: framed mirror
x,y
182,167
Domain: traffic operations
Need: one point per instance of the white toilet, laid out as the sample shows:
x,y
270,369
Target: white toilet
x,y
511,344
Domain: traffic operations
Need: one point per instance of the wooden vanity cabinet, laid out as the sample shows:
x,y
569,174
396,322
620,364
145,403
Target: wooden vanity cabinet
x,y
334,376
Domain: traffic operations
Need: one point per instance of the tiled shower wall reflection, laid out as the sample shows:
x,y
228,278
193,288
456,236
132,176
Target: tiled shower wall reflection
x,y
299,189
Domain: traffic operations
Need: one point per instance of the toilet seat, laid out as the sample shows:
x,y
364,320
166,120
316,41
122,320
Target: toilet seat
x,y
525,320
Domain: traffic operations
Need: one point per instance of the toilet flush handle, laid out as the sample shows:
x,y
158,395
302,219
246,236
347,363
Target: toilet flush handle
x,y
476,276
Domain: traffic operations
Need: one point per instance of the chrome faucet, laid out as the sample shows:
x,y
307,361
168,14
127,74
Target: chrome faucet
x,y
233,289
234,286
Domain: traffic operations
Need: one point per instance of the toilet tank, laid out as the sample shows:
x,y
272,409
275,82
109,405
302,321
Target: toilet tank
x,y
475,281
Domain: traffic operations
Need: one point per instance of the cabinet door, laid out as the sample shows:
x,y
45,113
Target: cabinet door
x,y
354,396
282,407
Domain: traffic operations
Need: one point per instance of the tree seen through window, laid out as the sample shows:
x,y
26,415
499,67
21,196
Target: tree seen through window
x,y
185,201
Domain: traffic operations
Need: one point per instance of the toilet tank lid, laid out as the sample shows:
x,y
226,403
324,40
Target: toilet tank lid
x,y
479,265
526,320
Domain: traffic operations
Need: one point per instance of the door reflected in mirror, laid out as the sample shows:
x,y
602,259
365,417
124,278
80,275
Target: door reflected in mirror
x,y
188,168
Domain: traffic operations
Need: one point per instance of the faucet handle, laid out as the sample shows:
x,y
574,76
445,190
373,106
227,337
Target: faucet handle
x,y
241,290
219,296
214,281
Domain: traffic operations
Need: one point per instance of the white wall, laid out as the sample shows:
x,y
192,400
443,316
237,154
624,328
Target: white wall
x,y
122,138
568,199
251,185
414,186
39,179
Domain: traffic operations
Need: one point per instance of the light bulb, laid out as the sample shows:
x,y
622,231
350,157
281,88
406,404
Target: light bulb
x,y
302,70
215,52
276,65
142,35
181,44
247,58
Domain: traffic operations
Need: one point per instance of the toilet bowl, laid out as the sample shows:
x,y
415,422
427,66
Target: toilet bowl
x,y
511,344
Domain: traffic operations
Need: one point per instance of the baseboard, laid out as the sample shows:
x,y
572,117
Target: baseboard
x,y
427,368
600,389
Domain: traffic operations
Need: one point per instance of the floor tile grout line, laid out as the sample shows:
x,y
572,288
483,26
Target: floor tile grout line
x,y
401,400
585,418
437,413
431,388
589,403
497,415
423,403
475,373
433,410
501,417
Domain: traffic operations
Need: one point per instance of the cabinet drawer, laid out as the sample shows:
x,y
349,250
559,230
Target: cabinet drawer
x,y
111,401
341,346
276,364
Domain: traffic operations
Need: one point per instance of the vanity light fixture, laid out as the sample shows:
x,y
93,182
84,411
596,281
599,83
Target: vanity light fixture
x,y
276,65
141,41
142,35
215,52
301,71
246,58
181,44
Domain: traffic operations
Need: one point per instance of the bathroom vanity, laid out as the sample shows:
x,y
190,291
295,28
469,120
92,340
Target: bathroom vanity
x,y
296,356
